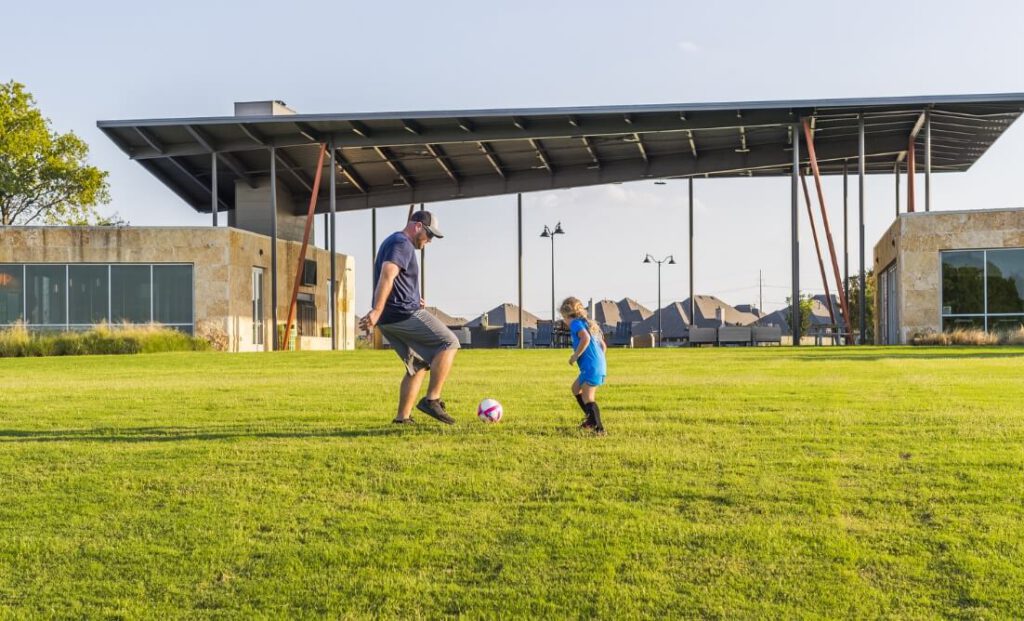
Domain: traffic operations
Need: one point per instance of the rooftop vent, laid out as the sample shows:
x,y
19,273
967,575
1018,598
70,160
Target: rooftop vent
x,y
271,107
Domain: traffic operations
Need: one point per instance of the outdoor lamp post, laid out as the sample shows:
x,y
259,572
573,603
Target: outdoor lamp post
x,y
551,234
671,261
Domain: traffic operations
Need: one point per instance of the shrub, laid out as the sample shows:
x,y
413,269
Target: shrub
x,y
930,338
102,339
973,337
1014,337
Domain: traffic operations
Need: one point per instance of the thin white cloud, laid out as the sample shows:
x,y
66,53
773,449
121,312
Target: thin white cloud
x,y
688,46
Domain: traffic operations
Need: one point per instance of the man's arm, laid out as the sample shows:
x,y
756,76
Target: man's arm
x,y
386,282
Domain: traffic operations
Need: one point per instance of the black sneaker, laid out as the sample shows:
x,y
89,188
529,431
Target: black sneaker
x,y
435,409
404,421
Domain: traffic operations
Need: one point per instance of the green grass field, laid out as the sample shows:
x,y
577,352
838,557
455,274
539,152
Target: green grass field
x,y
733,483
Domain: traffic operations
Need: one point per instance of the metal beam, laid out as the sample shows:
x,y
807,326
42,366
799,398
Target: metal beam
x,y
591,150
640,146
721,161
350,173
693,145
442,160
395,166
281,156
492,158
151,140
185,170
229,159
542,155
359,129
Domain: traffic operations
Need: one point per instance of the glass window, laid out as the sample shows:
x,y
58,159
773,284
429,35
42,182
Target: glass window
x,y
1005,323
46,295
87,294
172,293
963,286
11,302
1005,280
129,294
962,323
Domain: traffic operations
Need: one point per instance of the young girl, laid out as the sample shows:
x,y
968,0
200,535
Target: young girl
x,y
588,352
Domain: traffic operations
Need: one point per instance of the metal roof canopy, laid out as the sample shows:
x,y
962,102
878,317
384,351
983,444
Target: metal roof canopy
x,y
399,158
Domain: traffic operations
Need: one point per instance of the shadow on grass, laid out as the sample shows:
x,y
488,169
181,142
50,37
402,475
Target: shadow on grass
x,y
183,434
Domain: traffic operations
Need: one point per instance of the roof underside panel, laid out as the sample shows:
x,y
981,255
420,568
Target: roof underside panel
x,y
386,159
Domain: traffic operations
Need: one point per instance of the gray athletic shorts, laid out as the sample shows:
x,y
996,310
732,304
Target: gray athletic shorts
x,y
418,339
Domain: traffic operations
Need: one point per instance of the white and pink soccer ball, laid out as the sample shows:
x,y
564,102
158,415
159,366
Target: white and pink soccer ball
x,y
489,411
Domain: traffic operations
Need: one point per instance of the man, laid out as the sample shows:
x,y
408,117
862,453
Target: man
x,y
419,338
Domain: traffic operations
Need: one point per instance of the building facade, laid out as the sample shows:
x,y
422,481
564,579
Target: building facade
x,y
208,281
939,271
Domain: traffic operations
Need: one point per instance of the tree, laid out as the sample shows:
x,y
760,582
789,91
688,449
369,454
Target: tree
x,y
43,174
869,305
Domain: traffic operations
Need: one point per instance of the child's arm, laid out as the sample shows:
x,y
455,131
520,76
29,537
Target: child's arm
x,y
581,347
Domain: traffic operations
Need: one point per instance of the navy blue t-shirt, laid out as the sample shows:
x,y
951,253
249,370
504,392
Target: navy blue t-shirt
x,y
405,295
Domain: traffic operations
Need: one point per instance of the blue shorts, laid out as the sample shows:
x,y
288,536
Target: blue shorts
x,y
591,377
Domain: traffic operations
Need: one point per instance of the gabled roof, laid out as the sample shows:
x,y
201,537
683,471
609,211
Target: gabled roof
x,y
446,319
819,314
505,314
399,158
610,313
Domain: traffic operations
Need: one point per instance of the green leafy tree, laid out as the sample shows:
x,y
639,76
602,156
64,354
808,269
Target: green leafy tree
x,y
806,310
44,176
869,305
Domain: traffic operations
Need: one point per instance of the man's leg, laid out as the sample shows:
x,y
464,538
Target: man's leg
x,y
407,396
439,368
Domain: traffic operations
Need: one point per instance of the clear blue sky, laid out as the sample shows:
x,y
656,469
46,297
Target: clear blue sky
x,y
117,60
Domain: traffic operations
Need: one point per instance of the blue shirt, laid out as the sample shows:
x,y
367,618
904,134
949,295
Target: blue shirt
x,y
592,361
405,294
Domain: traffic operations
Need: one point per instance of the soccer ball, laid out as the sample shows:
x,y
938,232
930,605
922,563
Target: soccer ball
x,y
489,411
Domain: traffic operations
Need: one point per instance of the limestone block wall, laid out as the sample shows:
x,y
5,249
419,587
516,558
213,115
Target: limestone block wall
x,y
223,260
915,240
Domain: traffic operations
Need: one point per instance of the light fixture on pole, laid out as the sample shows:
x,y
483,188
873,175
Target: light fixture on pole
x,y
671,261
551,234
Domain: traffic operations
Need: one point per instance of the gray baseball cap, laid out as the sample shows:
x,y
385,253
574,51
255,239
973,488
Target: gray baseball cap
x,y
429,222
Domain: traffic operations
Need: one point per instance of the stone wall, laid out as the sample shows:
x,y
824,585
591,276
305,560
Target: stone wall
x,y
915,240
223,260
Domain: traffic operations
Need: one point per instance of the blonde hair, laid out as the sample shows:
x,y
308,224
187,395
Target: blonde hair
x,y
573,308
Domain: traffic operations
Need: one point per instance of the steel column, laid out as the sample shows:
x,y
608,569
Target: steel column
x,y
373,250
213,186
692,302
927,160
817,248
519,210
794,214
273,247
846,236
896,176
911,173
331,248
862,166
